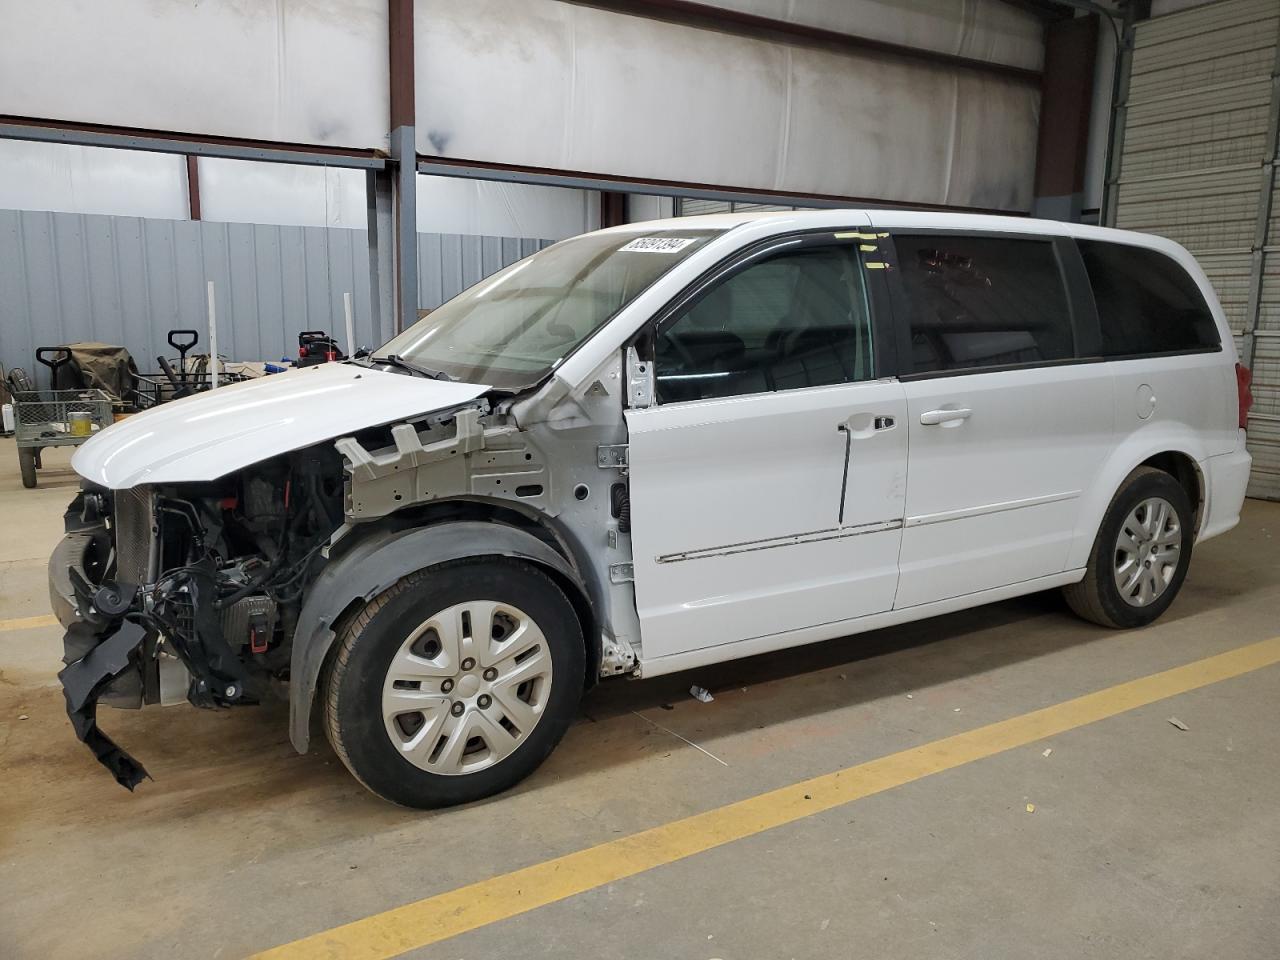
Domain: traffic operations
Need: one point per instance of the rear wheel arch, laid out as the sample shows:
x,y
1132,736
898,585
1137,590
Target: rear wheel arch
x,y
1183,468
1175,452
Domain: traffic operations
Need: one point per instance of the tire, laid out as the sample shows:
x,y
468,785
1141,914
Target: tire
x,y
27,466
1099,597
406,743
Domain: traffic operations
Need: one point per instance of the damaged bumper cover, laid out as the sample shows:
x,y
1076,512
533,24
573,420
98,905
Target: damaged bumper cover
x,y
108,655
98,649
110,638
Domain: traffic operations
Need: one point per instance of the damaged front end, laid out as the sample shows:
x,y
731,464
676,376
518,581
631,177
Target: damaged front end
x,y
188,591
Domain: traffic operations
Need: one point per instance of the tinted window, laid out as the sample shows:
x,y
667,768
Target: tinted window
x,y
798,319
983,301
1146,302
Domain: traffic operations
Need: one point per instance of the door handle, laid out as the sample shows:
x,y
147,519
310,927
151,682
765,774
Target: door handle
x,y
857,427
933,417
862,425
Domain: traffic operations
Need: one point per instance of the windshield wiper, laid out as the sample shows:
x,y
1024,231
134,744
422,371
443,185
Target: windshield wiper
x,y
395,360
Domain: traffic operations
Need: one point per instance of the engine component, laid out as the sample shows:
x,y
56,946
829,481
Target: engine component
x,y
250,622
173,680
132,528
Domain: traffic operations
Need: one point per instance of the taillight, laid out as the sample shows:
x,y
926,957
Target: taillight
x,y
1244,378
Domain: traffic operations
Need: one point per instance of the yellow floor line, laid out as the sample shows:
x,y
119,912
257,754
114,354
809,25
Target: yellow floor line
x,y
29,623
446,915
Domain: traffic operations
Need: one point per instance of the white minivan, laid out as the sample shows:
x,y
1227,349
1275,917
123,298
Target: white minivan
x,y
647,449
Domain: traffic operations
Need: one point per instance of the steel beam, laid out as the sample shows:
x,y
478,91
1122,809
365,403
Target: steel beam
x,y
1063,142
1060,9
405,228
507,173
379,198
1046,10
613,208
120,138
1112,161
404,154
193,187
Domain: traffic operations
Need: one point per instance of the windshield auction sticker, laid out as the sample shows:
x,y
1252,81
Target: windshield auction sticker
x,y
656,245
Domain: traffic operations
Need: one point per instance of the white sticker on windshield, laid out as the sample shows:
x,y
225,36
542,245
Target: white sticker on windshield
x,y
656,245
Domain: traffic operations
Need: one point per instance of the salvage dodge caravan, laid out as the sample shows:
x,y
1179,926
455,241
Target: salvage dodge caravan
x,y
647,449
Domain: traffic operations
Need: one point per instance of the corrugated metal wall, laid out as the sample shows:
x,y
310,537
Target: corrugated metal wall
x,y
127,280
1197,164
448,263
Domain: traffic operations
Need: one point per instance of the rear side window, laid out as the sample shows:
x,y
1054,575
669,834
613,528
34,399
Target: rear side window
x,y
1146,302
977,302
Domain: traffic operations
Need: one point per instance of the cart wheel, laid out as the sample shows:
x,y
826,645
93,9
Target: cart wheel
x,y
27,464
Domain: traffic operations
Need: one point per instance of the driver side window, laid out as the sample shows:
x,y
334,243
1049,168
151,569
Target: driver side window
x,y
797,319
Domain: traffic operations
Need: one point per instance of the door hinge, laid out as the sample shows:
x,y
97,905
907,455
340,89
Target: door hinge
x,y
639,380
611,456
616,656
621,572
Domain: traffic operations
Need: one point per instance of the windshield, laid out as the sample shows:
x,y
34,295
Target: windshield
x,y
514,327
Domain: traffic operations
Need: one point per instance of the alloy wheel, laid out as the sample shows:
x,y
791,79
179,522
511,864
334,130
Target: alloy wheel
x,y
1147,551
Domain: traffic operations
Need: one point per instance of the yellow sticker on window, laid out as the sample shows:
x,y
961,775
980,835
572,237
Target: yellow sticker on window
x,y
876,265
855,236
868,247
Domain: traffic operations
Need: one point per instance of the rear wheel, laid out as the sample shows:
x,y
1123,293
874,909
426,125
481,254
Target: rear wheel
x,y
27,466
1141,553
455,683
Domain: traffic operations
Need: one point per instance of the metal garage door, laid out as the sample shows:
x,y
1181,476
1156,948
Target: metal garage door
x,y
1197,165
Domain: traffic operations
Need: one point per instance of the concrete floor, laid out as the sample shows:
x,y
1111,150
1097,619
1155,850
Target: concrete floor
x,y
1145,841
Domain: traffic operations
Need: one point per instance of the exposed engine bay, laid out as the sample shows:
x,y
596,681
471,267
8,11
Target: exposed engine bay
x,y
192,591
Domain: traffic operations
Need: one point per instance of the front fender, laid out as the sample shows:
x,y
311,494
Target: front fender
x,y
373,564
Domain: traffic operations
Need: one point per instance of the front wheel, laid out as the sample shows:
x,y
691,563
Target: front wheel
x,y
1141,554
455,683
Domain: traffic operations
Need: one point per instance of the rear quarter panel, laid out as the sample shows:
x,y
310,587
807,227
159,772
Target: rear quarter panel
x,y
1194,414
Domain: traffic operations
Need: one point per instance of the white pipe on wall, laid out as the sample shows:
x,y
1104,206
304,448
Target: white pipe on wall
x,y
351,324
213,340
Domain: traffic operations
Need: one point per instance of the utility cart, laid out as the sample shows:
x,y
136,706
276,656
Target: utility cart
x,y
55,418
173,383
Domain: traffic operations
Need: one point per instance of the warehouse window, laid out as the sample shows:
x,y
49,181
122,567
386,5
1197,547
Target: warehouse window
x,y
983,301
798,319
1146,302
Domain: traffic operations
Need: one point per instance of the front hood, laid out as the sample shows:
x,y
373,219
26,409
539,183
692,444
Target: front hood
x,y
218,432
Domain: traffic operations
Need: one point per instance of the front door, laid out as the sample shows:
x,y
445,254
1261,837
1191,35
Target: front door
x,y
768,479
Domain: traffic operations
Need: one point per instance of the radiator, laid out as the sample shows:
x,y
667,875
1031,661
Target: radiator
x,y
134,518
